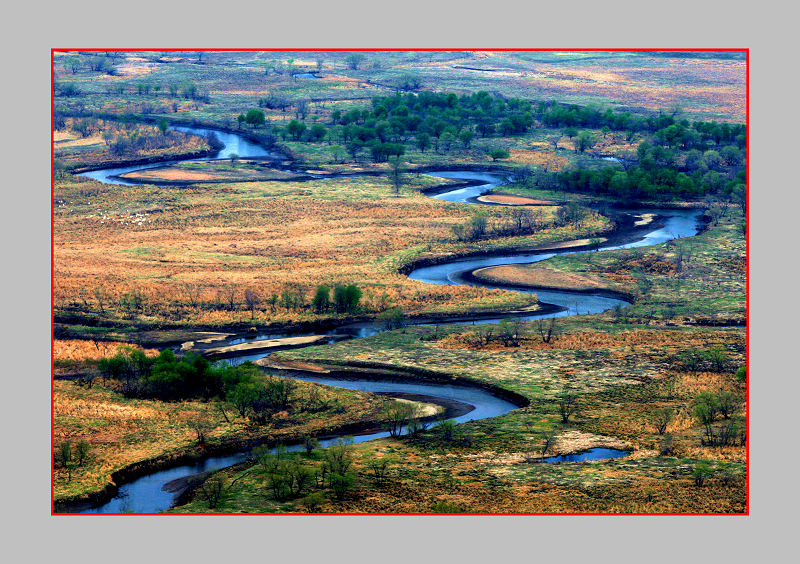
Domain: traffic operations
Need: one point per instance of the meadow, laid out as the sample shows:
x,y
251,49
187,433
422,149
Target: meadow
x,y
204,248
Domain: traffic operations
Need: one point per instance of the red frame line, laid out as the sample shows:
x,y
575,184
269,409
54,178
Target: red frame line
x,y
53,51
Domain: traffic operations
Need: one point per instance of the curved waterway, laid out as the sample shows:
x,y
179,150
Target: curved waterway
x,y
148,495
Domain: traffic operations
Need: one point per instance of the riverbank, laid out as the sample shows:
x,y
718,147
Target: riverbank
x,y
134,437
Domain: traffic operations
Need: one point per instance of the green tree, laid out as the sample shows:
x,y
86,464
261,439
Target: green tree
x,y
466,137
585,141
499,153
317,132
354,60
322,299
346,298
423,141
396,173
296,129
255,118
162,126
397,415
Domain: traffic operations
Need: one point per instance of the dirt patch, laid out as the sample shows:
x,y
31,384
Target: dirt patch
x,y
514,200
281,364
267,344
168,174
645,219
536,276
569,244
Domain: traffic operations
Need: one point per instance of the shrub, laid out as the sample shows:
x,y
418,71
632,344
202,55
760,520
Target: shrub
x,y
211,491
661,419
313,501
701,472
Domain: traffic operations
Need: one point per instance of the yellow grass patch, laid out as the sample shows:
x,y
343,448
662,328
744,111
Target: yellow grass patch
x,y
77,350
553,162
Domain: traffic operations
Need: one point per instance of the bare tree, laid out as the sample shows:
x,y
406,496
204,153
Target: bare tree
x,y
549,439
251,301
567,405
397,415
661,419
547,330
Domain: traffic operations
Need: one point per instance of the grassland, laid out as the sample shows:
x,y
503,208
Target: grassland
x,y
622,373
155,264
210,171
707,88
624,368
121,431
701,279
183,250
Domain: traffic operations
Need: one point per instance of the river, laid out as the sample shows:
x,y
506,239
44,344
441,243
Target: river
x,y
146,494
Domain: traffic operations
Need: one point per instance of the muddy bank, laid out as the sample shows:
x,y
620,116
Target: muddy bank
x,y
143,161
263,345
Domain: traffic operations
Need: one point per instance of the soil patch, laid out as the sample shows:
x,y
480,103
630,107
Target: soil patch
x,y
536,276
505,200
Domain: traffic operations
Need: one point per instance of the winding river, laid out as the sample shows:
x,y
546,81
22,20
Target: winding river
x,y
147,494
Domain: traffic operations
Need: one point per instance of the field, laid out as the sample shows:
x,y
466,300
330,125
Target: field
x,y
626,369
706,88
623,374
185,250
324,231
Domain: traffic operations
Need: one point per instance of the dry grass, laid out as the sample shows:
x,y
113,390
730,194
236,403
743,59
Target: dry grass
x,y
206,240
122,431
81,350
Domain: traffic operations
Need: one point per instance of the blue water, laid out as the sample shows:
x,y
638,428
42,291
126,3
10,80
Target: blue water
x,y
593,454
233,145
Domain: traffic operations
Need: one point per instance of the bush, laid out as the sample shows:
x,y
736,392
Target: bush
x,y
447,429
313,501
741,374
701,472
499,153
346,298
393,318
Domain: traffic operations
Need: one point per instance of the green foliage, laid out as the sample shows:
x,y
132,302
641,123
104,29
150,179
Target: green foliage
x,y
741,374
169,378
701,472
446,507
346,298
447,430
295,129
322,299
398,414
254,117
392,318
313,501
662,418
499,153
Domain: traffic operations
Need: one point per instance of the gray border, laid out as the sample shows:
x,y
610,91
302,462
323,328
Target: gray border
x,y
368,25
